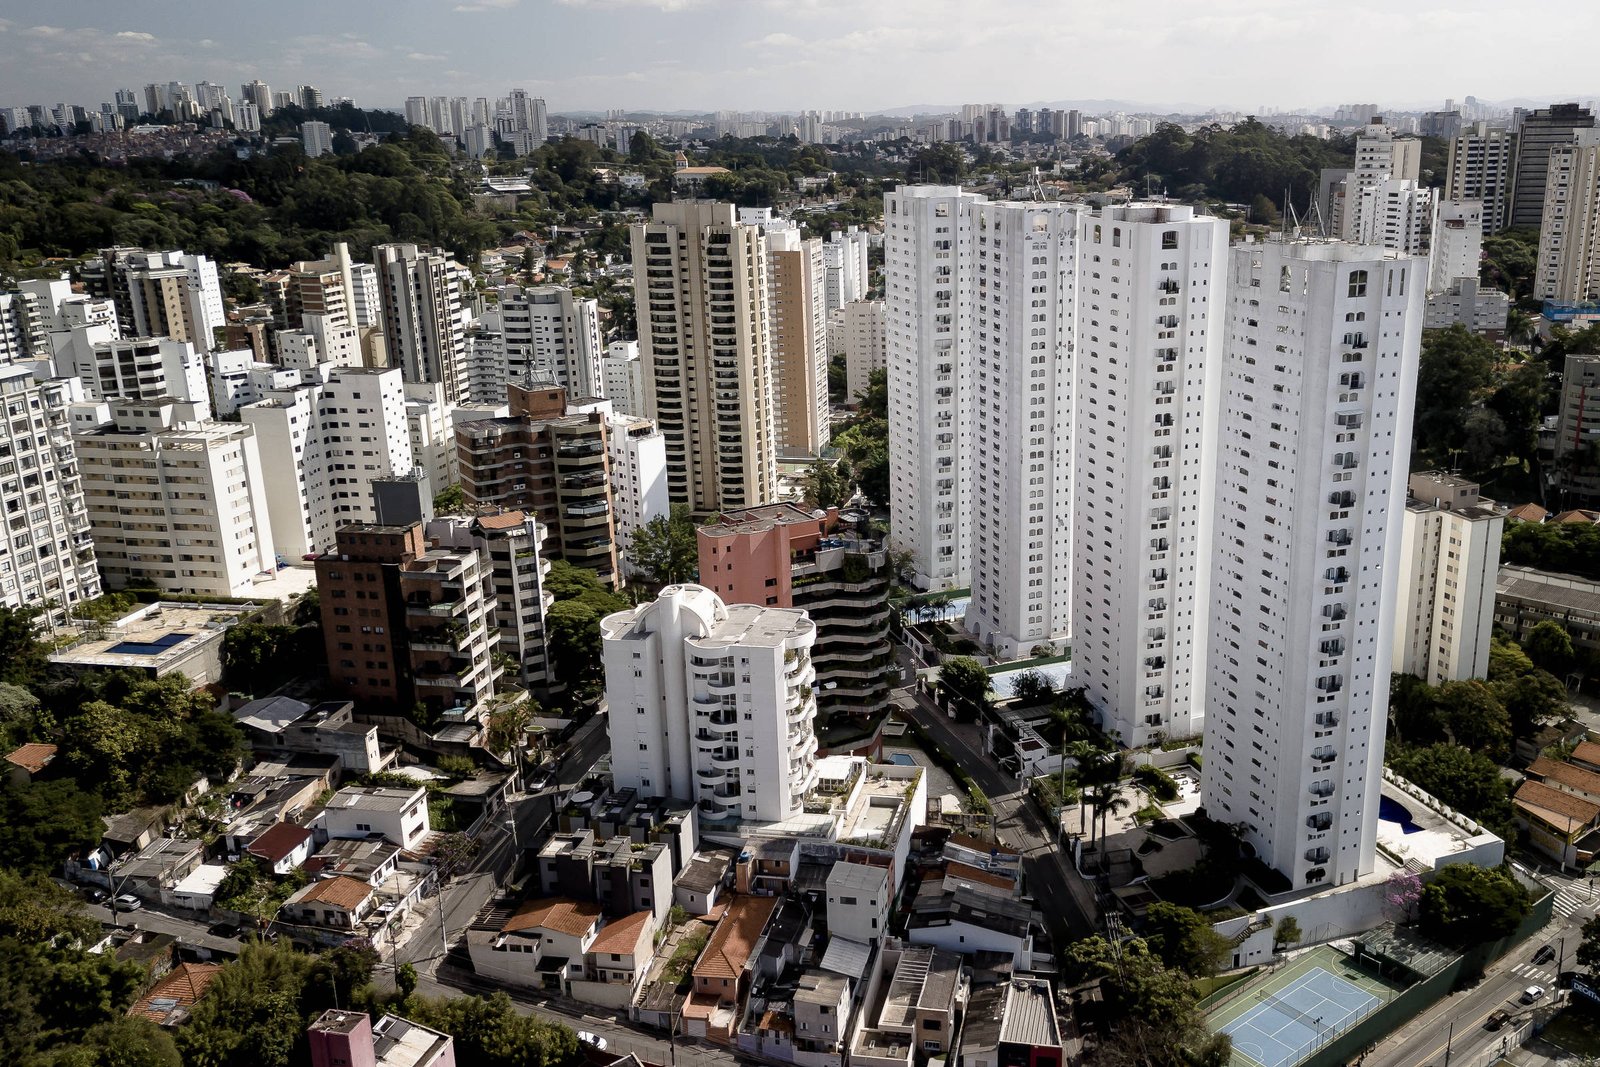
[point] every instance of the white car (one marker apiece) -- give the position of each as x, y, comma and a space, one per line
127, 902
594, 1041
1532, 993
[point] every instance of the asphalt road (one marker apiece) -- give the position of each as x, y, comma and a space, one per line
1457, 1022
1060, 894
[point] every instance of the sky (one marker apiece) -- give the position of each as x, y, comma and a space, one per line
788, 55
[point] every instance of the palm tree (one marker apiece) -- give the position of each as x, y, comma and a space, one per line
1108, 799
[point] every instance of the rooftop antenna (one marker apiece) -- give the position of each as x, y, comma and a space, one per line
1316, 213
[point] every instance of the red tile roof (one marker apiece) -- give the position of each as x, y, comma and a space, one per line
1543, 800
1576, 779
735, 937
32, 757
574, 917
623, 935
1528, 513
340, 891
967, 873
278, 842
507, 520
181, 988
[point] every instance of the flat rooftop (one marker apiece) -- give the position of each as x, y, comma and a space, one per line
757, 624
1030, 1014
1411, 829
152, 637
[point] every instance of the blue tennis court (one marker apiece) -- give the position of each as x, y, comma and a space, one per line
1286, 1025
149, 648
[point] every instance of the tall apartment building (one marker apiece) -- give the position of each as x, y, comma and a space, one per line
798, 323
1568, 268
1482, 162
1319, 380
700, 282
408, 624
1575, 472
160, 294
549, 335
510, 544
433, 437
865, 344
781, 555
638, 477
136, 369
553, 463
316, 138
846, 276
622, 376
47, 559
528, 116
424, 316
24, 335
258, 93
1149, 358
712, 703
1381, 155
1540, 131
1449, 563
1016, 320
929, 266
1394, 213
325, 440
1456, 244
175, 502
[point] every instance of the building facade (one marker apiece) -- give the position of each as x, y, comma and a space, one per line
550, 335
638, 478
1482, 162
1449, 560
865, 345
424, 316
799, 333
713, 703
1149, 357
700, 283
1319, 380
1541, 130
1569, 232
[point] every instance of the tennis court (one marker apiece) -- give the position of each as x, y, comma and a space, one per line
1292, 1013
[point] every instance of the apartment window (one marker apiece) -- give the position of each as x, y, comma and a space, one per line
1169, 239
1358, 282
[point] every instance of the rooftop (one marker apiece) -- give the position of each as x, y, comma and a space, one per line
1563, 591
558, 914
1414, 825
846, 875
1575, 778
375, 798
340, 891
623, 935
400, 1042
816, 988
925, 977
735, 937
168, 1001
32, 757
153, 637
279, 842
1030, 1014
1555, 806
705, 871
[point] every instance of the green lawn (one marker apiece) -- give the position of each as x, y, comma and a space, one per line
1577, 1030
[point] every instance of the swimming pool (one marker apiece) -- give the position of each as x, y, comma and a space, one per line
1391, 810
149, 648
903, 759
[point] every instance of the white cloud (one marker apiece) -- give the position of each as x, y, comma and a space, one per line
46, 31
778, 40
425, 57
487, 5
5, 24
668, 6
137, 36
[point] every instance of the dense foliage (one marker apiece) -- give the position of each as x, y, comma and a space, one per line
1468, 905
1477, 412
1150, 1003
572, 626
1236, 165
665, 550
1568, 547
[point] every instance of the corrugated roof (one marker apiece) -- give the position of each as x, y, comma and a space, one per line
340, 891
623, 935
574, 917
965, 872
735, 937
32, 757
1029, 1017
846, 957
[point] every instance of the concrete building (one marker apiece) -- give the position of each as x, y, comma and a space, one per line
712, 703
1319, 379
622, 378
638, 477
24, 336
1456, 243
1381, 155
1482, 161
799, 331
700, 282
846, 276
408, 624
433, 439
47, 561
174, 502
1149, 384
316, 138
327, 439
1019, 331
1394, 213
865, 344
349, 1039
549, 335
1449, 562
1569, 232
147, 369
425, 315
1575, 472
1480, 310
783, 556
1540, 131
511, 545
929, 265
159, 294
553, 462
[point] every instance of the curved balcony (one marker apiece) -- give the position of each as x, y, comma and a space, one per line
726, 759
711, 777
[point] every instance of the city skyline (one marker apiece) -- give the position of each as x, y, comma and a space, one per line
714, 54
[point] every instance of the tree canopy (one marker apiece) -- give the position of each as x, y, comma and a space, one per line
1468, 905
1233, 164
665, 550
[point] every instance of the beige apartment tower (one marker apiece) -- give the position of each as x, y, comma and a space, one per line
700, 281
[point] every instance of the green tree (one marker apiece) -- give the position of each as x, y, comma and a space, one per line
824, 485
1455, 375
963, 679
1183, 939
1033, 688
452, 499
1414, 714
1468, 781
405, 980
1467, 905
1549, 646
572, 636
125, 1042
489, 1032
665, 550
23, 659
1288, 932
1588, 953
1476, 718
42, 823
1158, 1021
19, 715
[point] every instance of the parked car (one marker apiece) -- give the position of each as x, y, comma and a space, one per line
94, 894
1544, 955
127, 902
1532, 993
594, 1041
1496, 1020
224, 930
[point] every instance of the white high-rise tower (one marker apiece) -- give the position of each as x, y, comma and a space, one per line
1319, 378
1149, 362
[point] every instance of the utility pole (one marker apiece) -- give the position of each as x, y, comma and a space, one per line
1448, 1041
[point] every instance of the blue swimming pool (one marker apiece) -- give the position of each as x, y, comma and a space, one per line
1390, 810
149, 648
903, 759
